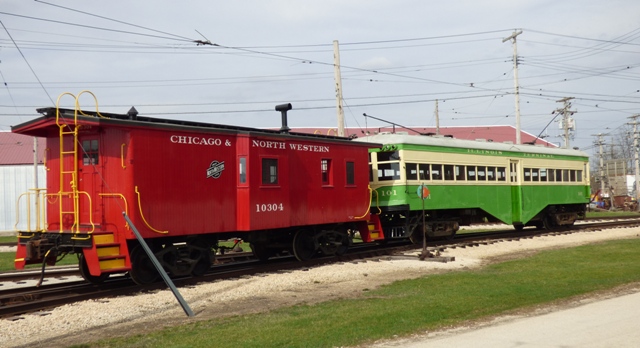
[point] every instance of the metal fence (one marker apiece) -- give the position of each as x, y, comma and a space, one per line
14, 181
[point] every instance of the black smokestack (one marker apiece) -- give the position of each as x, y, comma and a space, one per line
283, 108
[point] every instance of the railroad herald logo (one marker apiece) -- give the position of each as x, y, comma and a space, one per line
215, 169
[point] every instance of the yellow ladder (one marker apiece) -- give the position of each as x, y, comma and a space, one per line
68, 171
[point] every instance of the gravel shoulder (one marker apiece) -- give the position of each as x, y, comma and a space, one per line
92, 320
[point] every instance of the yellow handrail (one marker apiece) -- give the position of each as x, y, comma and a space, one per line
121, 196
371, 191
39, 213
44, 159
93, 227
94, 98
142, 215
122, 156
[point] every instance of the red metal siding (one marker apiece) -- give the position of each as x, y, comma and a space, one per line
186, 181
300, 198
269, 205
244, 189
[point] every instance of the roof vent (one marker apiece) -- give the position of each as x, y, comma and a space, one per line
132, 113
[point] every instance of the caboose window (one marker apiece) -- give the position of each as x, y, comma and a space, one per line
269, 171
243, 170
325, 168
89, 152
351, 178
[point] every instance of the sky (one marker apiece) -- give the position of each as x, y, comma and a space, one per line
231, 62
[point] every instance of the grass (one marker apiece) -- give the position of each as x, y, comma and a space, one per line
8, 239
610, 214
6, 262
412, 306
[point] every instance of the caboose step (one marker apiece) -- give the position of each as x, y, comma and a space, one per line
108, 250
106, 238
113, 263
116, 270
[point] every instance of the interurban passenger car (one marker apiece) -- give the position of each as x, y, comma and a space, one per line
473, 181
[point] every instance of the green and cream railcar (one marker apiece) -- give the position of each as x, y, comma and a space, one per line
473, 181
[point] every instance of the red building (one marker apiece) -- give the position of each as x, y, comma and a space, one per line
498, 134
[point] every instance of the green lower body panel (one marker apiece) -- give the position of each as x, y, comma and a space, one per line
505, 203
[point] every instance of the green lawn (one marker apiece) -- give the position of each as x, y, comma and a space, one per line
413, 306
8, 239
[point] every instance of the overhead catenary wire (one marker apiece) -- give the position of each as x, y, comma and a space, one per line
27, 62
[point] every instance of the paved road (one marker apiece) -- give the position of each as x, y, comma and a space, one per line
608, 323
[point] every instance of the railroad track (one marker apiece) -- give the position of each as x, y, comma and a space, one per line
14, 303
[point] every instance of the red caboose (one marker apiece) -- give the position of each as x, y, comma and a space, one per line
186, 185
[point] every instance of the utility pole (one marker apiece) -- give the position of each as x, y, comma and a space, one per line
437, 119
338, 81
35, 181
600, 144
566, 113
637, 161
515, 81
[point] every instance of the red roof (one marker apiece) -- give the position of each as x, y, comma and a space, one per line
498, 134
18, 148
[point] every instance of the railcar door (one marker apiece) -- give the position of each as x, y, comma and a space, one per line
89, 180
516, 190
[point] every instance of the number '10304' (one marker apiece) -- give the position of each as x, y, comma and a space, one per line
269, 207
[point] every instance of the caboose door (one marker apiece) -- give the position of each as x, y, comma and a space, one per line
89, 181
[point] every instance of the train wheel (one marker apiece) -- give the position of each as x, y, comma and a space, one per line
84, 272
201, 250
548, 222
142, 269
304, 246
260, 251
417, 236
518, 226
345, 242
